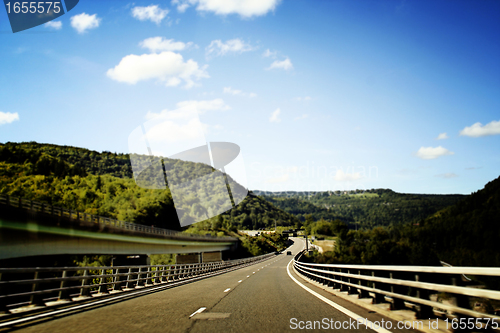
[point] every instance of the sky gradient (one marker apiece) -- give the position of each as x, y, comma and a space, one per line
319, 95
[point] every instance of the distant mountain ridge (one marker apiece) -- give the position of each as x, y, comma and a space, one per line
366, 208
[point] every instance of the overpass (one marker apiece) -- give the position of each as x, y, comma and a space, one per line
31, 228
273, 293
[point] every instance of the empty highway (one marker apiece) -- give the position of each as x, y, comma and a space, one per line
260, 298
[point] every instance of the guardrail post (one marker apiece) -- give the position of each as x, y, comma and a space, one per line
161, 277
128, 285
63, 294
140, 283
85, 289
397, 303
342, 286
423, 311
378, 298
103, 288
117, 285
35, 299
350, 289
149, 280
171, 273
362, 292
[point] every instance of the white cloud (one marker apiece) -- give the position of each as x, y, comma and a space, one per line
430, 153
182, 5
8, 117
229, 90
185, 109
304, 116
275, 116
302, 99
218, 48
244, 8
442, 136
181, 126
152, 13
56, 25
447, 175
477, 130
168, 67
269, 54
155, 44
341, 176
84, 22
285, 64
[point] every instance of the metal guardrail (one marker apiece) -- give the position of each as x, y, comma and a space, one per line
73, 215
24, 288
407, 286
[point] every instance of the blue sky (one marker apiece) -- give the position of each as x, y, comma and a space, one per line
319, 95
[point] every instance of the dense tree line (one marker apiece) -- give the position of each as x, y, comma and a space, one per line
367, 209
465, 234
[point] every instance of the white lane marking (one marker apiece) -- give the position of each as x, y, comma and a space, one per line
200, 310
248, 275
82, 306
227, 290
335, 305
240, 281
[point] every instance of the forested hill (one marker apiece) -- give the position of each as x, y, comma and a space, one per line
101, 183
467, 234
370, 208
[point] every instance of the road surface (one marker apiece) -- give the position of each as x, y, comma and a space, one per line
258, 298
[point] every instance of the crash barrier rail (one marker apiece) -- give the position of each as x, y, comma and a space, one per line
416, 287
73, 215
32, 287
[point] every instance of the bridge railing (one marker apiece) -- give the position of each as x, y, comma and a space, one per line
24, 288
419, 288
73, 215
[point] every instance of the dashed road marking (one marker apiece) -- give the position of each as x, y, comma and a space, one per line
200, 310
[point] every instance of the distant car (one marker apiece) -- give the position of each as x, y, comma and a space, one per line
288, 253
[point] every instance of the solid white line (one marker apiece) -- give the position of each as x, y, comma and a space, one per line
200, 310
351, 314
227, 290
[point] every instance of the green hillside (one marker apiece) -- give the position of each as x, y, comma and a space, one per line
367, 209
465, 234
101, 183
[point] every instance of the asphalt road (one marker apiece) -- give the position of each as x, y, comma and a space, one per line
258, 298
